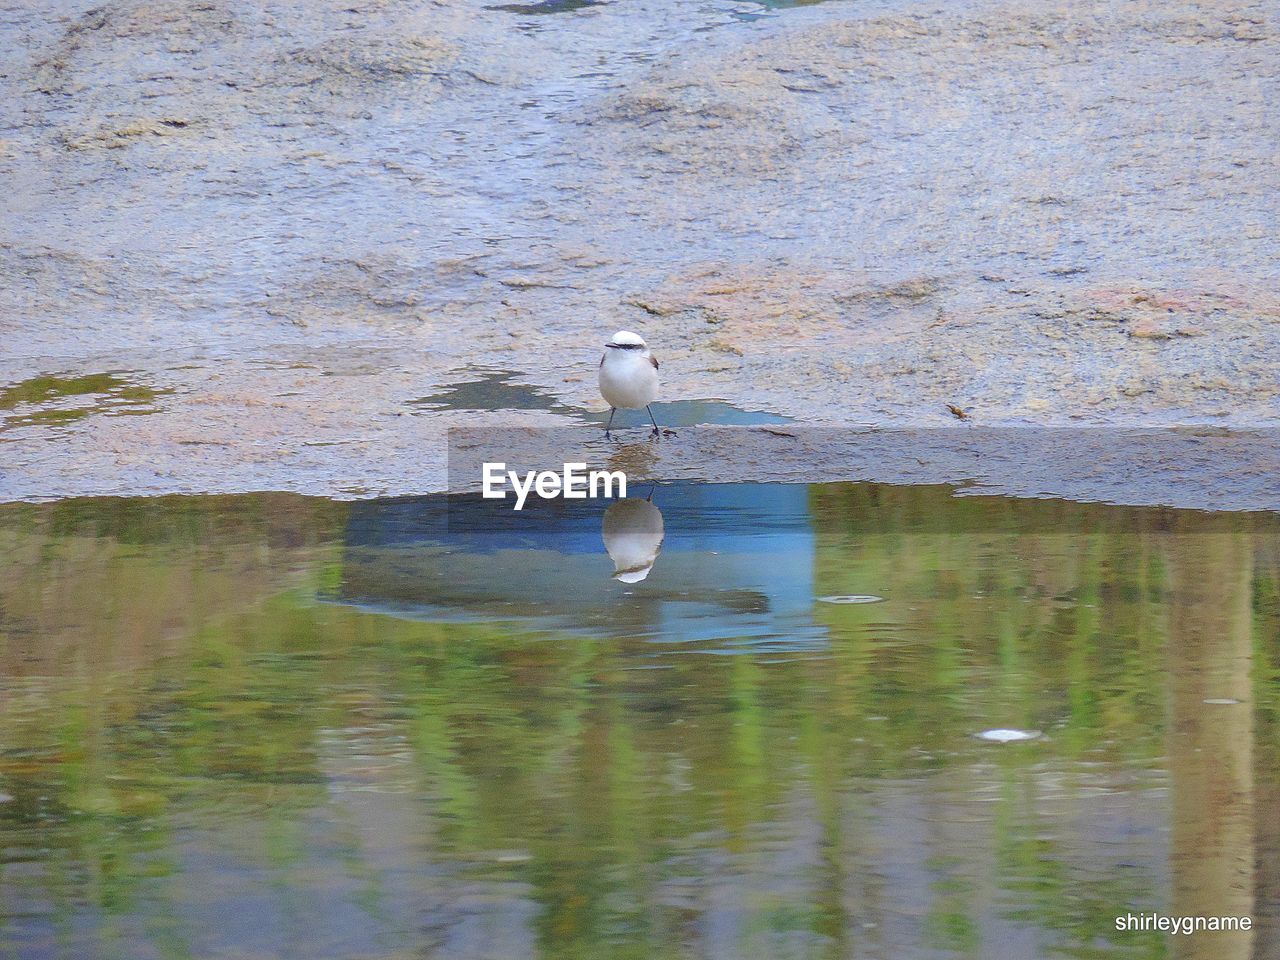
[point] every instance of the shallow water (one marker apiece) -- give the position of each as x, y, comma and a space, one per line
53, 399
276, 726
546, 6
501, 390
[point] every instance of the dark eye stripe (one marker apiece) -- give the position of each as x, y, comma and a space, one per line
625, 346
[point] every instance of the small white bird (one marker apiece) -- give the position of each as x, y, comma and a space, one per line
628, 376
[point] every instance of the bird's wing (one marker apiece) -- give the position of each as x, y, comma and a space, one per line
654, 361
605, 354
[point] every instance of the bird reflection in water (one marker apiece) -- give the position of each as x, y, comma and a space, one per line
632, 533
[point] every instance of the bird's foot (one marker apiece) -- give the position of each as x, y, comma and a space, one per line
653, 435
608, 435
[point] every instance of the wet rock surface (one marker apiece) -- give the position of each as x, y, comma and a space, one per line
289, 222
1190, 468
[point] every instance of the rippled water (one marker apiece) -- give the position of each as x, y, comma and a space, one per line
272, 726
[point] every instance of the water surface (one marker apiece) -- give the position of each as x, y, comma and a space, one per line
276, 726
494, 390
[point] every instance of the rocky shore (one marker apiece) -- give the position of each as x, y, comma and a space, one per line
277, 228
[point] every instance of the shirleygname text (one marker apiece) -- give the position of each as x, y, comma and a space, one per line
1179, 925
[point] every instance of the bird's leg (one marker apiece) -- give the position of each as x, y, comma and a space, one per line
612, 411
654, 422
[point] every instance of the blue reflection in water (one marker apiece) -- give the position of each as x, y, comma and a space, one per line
735, 563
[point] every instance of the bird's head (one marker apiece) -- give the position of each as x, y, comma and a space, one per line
626, 340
